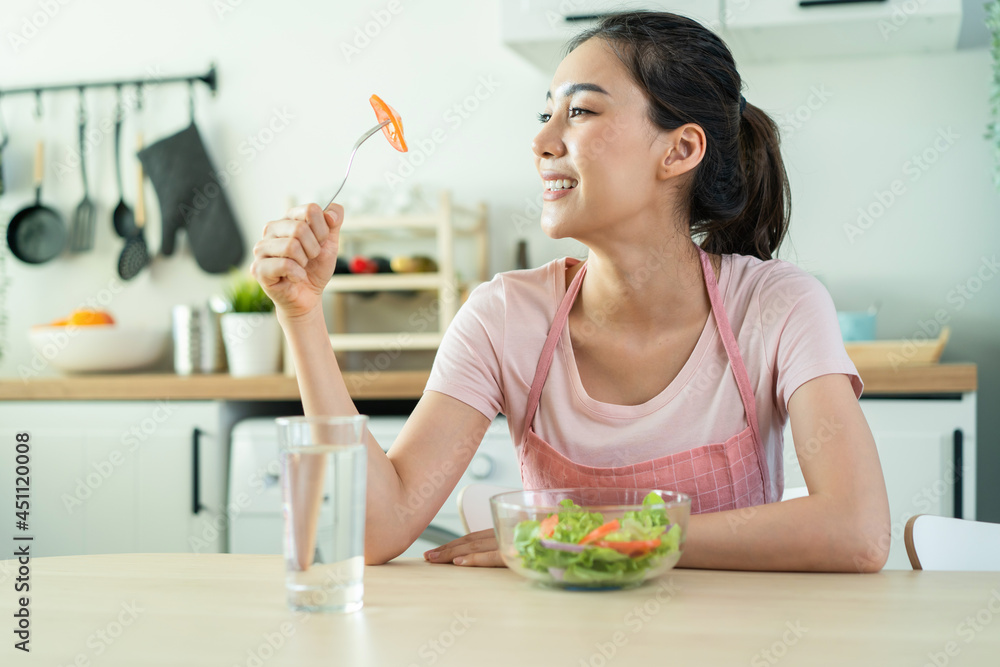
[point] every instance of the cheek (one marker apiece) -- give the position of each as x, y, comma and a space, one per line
608, 159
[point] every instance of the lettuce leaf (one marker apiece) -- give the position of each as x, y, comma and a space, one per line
598, 566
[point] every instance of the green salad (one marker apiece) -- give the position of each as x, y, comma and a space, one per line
580, 548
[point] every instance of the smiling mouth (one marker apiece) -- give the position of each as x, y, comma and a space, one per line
562, 184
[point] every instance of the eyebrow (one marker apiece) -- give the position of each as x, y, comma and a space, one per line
572, 88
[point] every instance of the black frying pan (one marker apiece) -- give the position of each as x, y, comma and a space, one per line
37, 233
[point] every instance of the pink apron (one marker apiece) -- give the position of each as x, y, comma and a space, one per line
723, 476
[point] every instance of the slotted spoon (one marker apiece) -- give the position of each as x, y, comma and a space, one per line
82, 236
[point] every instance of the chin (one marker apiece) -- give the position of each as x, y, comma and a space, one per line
555, 229
564, 225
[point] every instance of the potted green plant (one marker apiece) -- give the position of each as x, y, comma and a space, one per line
250, 329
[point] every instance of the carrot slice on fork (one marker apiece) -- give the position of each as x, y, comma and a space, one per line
394, 130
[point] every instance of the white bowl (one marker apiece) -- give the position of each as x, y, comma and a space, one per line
98, 348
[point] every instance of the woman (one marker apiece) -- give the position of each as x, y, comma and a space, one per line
655, 362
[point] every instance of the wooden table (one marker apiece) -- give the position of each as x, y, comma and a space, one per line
222, 610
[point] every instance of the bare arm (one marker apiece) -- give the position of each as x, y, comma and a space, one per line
841, 526
293, 262
407, 487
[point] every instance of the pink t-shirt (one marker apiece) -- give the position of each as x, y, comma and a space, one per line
782, 317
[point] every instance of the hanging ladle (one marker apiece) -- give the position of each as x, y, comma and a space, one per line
122, 218
135, 254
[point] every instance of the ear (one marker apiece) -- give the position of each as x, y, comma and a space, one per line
685, 150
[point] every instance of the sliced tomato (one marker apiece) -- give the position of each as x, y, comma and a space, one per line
633, 548
601, 531
548, 525
394, 130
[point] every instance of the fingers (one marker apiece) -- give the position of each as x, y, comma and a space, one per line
481, 559
282, 246
320, 222
473, 543
270, 270
335, 215
300, 230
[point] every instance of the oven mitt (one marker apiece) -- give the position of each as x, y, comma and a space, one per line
190, 197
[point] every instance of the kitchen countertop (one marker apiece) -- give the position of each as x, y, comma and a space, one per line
224, 609
931, 379
220, 386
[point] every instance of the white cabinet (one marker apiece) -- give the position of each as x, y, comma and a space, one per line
787, 29
538, 29
119, 476
768, 30
927, 448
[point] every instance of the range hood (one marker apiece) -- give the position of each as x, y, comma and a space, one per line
776, 30
538, 29
756, 30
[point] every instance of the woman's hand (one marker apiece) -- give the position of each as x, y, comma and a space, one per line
478, 549
296, 256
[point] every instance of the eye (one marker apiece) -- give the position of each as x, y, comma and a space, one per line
543, 117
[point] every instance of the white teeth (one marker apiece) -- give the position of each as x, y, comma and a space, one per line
562, 184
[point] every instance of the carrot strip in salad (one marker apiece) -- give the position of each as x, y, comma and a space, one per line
548, 525
601, 531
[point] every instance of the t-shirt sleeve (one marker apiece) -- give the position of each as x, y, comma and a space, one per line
468, 361
800, 319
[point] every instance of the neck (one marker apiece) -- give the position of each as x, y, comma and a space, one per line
644, 290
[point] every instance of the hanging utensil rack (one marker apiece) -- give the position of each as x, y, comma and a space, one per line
208, 78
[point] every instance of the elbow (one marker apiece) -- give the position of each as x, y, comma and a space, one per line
380, 554
376, 559
870, 536
868, 559
379, 550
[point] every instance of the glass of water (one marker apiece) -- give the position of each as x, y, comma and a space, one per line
323, 467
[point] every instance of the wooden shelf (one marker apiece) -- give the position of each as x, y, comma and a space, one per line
386, 341
441, 224
364, 223
343, 282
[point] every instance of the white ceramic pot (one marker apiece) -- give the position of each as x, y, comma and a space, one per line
253, 343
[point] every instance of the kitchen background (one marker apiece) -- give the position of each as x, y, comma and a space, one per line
292, 99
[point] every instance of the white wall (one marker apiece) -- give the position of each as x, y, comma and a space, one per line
431, 56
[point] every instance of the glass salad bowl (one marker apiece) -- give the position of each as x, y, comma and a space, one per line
591, 538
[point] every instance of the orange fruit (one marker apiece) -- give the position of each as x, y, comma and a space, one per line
84, 317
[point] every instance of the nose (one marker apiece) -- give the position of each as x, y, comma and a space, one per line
548, 142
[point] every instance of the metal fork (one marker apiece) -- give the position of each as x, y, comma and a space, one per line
357, 144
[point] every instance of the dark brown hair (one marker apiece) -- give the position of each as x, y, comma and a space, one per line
739, 199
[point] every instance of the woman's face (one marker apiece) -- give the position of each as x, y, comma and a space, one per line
596, 134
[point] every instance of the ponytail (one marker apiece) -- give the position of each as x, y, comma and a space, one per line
740, 200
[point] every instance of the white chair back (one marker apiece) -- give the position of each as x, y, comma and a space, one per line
944, 543
794, 492
474, 505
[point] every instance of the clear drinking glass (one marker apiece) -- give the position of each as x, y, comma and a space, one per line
323, 467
